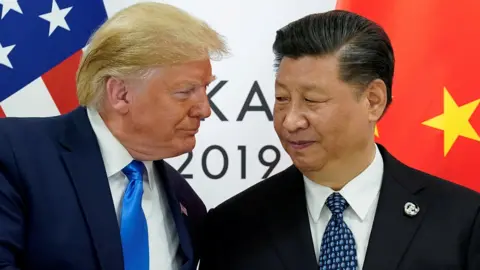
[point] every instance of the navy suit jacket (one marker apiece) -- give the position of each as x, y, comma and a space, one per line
56, 209
271, 229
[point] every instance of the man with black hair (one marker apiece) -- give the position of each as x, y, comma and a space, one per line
346, 202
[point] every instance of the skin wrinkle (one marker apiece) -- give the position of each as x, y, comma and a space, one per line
158, 118
314, 105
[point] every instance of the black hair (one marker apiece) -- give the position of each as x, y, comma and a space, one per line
363, 48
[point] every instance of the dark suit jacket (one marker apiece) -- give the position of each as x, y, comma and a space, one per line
267, 227
56, 209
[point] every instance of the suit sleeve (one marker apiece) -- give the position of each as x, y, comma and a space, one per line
11, 211
474, 248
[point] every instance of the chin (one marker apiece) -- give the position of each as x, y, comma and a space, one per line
175, 148
186, 146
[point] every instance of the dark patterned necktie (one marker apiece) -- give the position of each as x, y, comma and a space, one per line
338, 250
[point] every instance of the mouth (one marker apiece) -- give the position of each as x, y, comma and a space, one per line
297, 145
191, 131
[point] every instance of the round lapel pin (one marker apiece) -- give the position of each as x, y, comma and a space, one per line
411, 209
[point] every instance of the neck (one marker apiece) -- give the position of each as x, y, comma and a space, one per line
336, 174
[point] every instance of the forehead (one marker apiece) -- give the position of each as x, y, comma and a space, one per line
308, 71
198, 72
194, 68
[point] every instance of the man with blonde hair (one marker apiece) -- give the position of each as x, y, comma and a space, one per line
89, 189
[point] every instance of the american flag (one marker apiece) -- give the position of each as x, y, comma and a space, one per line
41, 43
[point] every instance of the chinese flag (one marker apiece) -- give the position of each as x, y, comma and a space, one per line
433, 123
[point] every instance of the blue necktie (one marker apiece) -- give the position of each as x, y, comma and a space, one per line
133, 225
338, 249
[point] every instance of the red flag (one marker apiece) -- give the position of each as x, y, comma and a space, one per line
434, 121
60, 82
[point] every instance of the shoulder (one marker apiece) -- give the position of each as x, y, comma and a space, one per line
450, 207
19, 135
265, 192
438, 191
30, 129
27, 142
19, 139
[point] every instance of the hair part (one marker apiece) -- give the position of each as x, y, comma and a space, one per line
138, 39
362, 47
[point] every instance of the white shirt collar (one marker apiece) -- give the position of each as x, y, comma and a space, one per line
360, 192
115, 156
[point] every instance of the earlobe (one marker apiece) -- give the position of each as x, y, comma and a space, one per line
117, 97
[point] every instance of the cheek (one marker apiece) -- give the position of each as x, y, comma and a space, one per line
277, 123
170, 122
322, 120
330, 123
140, 114
146, 103
278, 118
345, 128
158, 115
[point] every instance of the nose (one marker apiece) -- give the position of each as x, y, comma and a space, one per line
202, 107
294, 120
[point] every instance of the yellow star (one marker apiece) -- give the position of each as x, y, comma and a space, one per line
454, 121
376, 131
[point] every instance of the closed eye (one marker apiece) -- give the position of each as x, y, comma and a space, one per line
187, 90
316, 101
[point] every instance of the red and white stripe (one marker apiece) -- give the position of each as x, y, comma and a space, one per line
52, 94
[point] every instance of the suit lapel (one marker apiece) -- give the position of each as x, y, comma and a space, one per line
84, 163
179, 213
288, 223
392, 229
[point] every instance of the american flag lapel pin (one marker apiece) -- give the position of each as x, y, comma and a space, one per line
183, 209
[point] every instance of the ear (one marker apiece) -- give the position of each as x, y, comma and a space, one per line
376, 94
117, 95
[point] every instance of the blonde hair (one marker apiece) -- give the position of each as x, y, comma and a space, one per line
139, 37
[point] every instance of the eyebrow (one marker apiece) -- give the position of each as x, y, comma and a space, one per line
305, 87
189, 83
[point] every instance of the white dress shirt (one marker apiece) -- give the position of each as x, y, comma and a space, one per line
162, 236
361, 194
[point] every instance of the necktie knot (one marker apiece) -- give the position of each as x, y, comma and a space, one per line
134, 170
336, 203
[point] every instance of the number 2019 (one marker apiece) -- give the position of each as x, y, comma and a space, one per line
243, 161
